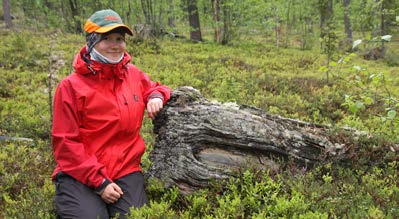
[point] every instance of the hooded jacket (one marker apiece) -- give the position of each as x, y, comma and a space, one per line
98, 112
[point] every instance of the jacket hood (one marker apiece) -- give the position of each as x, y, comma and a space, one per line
82, 67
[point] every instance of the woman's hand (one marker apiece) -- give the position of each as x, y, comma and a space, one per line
111, 193
154, 106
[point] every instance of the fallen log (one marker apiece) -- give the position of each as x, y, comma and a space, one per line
200, 140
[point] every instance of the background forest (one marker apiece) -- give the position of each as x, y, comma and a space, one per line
322, 61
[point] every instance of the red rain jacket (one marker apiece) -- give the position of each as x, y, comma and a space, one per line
98, 112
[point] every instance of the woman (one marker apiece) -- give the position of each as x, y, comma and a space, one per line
98, 113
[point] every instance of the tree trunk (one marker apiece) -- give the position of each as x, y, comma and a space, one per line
75, 15
363, 28
7, 14
199, 141
129, 12
347, 21
216, 20
146, 11
330, 9
193, 17
326, 12
277, 27
376, 15
153, 21
171, 20
159, 25
65, 14
383, 24
226, 32
49, 5
288, 23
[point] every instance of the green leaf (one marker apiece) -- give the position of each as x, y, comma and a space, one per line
359, 105
375, 39
356, 43
368, 100
347, 97
323, 69
386, 38
357, 68
354, 108
391, 114
347, 59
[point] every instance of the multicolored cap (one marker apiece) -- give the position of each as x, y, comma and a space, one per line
104, 21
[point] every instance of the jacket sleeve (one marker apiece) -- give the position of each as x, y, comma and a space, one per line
154, 89
69, 151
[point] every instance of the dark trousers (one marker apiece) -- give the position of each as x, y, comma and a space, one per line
76, 200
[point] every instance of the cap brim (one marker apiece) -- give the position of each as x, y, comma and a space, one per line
109, 28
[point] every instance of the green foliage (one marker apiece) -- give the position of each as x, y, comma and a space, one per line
26, 189
24, 107
325, 192
351, 193
21, 51
369, 95
157, 210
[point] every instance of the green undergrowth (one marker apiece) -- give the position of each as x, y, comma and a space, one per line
359, 94
26, 190
324, 192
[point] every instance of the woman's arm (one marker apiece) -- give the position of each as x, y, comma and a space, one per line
155, 95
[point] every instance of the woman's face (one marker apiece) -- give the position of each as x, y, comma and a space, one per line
112, 46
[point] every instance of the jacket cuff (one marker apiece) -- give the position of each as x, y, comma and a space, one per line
155, 95
99, 190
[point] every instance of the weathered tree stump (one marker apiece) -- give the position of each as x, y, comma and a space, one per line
200, 140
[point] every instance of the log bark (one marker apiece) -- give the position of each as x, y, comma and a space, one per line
199, 141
